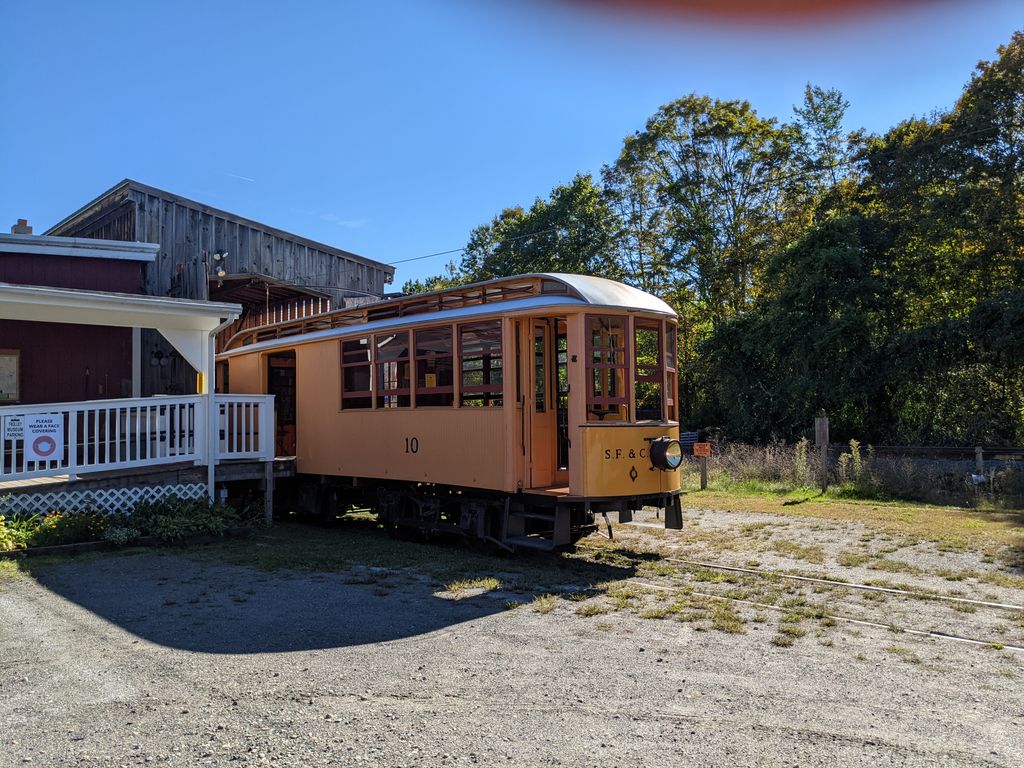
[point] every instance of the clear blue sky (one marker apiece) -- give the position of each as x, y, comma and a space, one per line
392, 128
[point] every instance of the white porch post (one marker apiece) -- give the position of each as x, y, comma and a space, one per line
213, 426
136, 362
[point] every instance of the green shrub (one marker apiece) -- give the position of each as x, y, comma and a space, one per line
58, 527
13, 535
172, 519
801, 470
121, 534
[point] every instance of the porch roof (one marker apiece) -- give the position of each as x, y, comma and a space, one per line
185, 323
67, 305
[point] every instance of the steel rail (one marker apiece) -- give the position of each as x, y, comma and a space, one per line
849, 585
836, 617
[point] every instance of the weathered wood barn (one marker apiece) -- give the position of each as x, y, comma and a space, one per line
207, 253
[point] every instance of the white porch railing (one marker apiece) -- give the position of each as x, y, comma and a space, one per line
245, 426
108, 435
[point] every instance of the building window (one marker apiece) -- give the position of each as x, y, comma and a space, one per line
480, 360
435, 370
355, 374
392, 369
10, 375
606, 368
649, 372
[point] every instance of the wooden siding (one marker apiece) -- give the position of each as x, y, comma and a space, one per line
61, 362
86, 274
189, 233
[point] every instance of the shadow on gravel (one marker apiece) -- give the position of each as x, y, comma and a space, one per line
299, 588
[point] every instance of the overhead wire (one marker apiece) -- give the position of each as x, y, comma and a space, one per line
802, 172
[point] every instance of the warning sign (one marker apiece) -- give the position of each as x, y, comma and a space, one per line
702, 449
44, 437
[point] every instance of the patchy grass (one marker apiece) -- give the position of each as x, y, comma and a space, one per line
623, 595
592, 609
792, 630
783, 641
544, 603
905, 654
461, 587
662, 611
9, 570
951, 527
893, 566
812, 554
852, 559
725, 618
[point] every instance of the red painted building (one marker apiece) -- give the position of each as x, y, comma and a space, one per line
55, 362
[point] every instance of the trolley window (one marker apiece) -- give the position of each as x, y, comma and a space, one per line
392, 351
650, 370
355, 373
671, 385
606, 368
435, 371
480, 363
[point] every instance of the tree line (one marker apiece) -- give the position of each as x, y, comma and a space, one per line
877, 277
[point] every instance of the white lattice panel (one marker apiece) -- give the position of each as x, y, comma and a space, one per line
107, 500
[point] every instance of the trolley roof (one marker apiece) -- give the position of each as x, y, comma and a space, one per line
509, 294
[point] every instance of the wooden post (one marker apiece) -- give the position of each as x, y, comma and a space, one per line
268, 492
703, 461
821, 440
979, 460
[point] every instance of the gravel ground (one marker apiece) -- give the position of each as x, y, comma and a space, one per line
847, 549
177, 658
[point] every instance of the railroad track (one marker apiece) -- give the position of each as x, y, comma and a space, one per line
938, 635
772, 575
848, 585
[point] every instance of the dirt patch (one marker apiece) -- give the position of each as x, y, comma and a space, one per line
404, 657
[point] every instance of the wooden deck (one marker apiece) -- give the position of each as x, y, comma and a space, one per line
226, 471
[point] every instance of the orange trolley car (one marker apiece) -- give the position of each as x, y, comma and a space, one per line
511, 411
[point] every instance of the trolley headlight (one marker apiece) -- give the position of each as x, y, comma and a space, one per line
666, 453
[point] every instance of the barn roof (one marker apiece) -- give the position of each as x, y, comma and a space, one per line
116, 194
85, 247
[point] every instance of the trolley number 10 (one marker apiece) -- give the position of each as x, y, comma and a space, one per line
412, 445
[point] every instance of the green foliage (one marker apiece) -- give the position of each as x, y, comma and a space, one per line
121, 535
13, 534
722, 176
875, 277
172, 519
778, 469
450, 279
57, 527
801, 470
570, 231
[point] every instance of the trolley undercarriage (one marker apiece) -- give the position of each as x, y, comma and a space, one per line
507, 521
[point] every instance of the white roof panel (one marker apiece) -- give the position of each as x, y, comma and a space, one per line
610, 293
